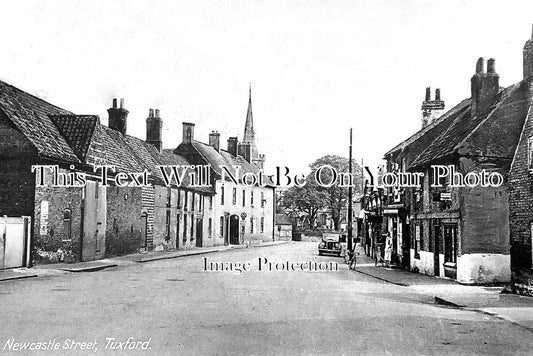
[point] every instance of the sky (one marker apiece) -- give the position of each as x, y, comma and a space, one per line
317, 68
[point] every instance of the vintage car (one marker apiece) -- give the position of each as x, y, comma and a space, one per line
332, 243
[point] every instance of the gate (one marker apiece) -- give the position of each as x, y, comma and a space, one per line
14, 242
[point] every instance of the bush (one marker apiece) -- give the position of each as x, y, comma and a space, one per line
296, 236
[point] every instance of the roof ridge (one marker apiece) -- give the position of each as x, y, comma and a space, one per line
34, 96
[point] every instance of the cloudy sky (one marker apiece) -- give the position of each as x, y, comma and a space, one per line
317, 68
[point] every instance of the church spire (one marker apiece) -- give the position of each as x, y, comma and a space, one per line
249, 133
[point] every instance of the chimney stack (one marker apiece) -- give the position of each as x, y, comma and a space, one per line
484, 86
118, 117
245, 150
188, 132
154, 129
528, 58
214, 140
232, 145
431, 109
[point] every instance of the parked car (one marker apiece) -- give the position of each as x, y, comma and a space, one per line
332, 243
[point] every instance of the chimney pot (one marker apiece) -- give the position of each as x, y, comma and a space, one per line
121, 103
437, 94
151, 113
157, 113
491, 66
479, 65
114, 103
428, 94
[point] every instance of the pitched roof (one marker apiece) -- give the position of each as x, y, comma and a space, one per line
494, 132
77, 130
434, 128
30, 115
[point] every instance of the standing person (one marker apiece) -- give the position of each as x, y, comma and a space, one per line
388, 249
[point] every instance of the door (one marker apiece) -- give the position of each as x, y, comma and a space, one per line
436, 255
14, 242
234, 229
144, 230
94, 221
199, 232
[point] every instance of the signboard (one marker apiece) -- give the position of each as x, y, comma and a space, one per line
445, 196
43, 230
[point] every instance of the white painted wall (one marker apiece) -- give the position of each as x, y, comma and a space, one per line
483, 268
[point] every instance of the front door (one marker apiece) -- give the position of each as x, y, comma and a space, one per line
199, 232
14, 242
234, 229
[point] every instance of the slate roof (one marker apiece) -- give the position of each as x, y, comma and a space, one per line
493, 133
30, 115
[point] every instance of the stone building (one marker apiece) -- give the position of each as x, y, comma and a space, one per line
452, 227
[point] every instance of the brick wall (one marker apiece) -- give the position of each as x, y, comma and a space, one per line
521, 212
123, 228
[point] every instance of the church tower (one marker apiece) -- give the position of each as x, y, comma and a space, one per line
249, 134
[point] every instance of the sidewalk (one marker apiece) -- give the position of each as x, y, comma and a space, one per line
513, 308
98, 265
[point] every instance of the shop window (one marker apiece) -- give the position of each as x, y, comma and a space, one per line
67, 225
450, 243
186, 201
178, 228
210, 202
234, 200
251, 225
185, 227
167, 225
221, 226
210, 228
192, 229
243, 197
221, 195
193, 201
169, 197
179, 199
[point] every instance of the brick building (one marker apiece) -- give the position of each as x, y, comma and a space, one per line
521, 194
447, 230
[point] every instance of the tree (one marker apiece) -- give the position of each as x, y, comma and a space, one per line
336, 196
307, 199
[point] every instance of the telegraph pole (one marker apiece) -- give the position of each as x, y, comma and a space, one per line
350, 212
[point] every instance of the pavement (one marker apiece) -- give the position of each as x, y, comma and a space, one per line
98, 265
491, 300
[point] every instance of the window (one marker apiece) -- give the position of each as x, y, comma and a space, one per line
243, 197
234, 200
186, 202
221, 226
262, 228
96, 190
193, 201
177, 228
251, 225
192, 229
222, 195
210, 228
252, 198
169, 196
167, 225
185, 227
450, 243
200, 202
67, 224
262, 200
210, 202
179, 199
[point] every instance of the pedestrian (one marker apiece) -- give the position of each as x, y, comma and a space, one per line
388, 249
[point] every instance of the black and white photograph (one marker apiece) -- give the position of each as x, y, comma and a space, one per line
307, 177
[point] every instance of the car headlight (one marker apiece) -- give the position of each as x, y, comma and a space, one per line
337, 245
322, 244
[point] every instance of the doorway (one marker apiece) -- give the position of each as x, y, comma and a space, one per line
199, 232
234, 229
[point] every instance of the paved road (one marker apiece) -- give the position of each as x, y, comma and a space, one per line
176, 308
